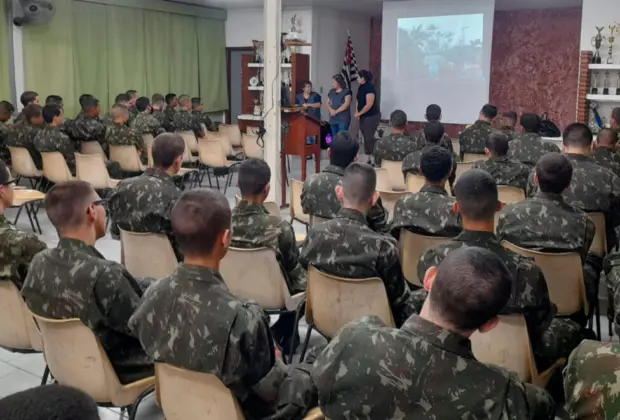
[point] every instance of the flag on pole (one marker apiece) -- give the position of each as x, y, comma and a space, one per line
349, 66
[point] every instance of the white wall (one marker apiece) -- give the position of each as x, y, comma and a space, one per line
599, 13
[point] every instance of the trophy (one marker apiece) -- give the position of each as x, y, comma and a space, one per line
611, 39
597, 41
258, 51
606, 84
594, 87
294, 24
257, 110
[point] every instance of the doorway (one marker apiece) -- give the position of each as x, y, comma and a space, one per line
235, 90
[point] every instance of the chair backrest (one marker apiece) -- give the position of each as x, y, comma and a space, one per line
127, 157
22, 162
251, 149
412, 246
92, 169
92, 148
456, 146
190, 140
17, 329
599, 244
383, 180
472, 157
148, 139
461, 168
564, 275
149, 154
263, 284
509, 195
395, 171
234, 134
415, 183
297, 211
211, 153
187, 395
334, 301
55, 167
389, 199
508, 346
224, 138
148, 254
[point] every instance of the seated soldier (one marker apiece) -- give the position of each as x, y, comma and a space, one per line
6, 112
473, 138
318, 197
476, 196
430, 211
171, 108
347, 247
191, 320
75, 281
605, 153
504, 170
157, 104
51, 139
145, 122
122, 99
87, 126
426, 369
202, 116
529, 147
24, 133
119, 134
143, 203
17, 248
433, 113
397, 145
27, 98
184, 120
507, 124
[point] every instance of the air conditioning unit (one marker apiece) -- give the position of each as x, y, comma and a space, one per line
32, 12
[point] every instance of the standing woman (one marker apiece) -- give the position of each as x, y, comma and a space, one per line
367, 111
338, 104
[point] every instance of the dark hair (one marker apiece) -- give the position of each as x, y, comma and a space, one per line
398, 119
306, 83
196, 101
344, 148
32, 111
476, 194
531, 122
554, 172
433, 112
498, 144
157, 98
131, 93
6, 106
167, 147
489, 111
471, 287
607, 136
254, 175
170, 97
66, 203
366, 75
53, 100
143, 103
338, 78
27, 97
615, 114
50, 112
84, 98
436, 163
89, 103
50, 402
5, 174
121, 97
577, 135
198, 218
359, 183
512, 116
433, 132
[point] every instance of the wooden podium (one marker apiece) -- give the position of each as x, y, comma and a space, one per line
301, 126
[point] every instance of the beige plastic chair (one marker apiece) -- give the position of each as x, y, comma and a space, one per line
212, 156
472, 157
92, 169
456, 146
508, 346
148, 254
224, 138
55, 167
18, 332
128, 157
411, 247
509, 195
599, 244
461, 168
23, 165
395, 171
234, 135
251, 149
190, 140
271, 206
564, 275
148, 139
383, 180
297, 211
92, 148
415, 183
389, 199
75, 358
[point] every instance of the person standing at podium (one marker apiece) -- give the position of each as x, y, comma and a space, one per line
338, 105
310, 100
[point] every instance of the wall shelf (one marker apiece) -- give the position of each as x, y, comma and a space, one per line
604, 67
261, 65
603, 98
256, 87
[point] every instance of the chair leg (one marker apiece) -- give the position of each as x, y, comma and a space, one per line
306, 342
597, 311
46, 375
217, 181
300, 310
228, 181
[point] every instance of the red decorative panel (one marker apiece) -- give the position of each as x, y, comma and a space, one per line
583, 111
376, 27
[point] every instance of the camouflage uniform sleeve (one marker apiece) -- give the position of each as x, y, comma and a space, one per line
137, 139
588, 238
378, 218
408, 164
542, 315
398, 293
67, 148
29, 246
531, 188
288, 247
196, 127
528, 398
306, 202
430, 258
551, 147
615, 201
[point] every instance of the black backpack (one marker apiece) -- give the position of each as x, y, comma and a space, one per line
548, 127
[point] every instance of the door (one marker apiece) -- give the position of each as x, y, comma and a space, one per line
236, 83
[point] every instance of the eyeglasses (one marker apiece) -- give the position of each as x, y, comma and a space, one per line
101, 202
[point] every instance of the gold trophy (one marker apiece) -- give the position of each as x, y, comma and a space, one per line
597, 41
612, 28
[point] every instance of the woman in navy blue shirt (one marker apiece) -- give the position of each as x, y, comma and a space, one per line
310, 100
367, 111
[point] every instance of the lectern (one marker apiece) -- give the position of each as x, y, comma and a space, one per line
301, 126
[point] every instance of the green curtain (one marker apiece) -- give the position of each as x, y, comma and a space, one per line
5, 63
184, 61
90, 54
212, 64
157, 43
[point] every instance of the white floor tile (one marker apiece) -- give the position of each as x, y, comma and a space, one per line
17, 381
6, 369
32, 363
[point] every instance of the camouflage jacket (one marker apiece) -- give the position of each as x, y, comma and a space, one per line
5, 131
420, 140
394, 147
411, 164
428, 212
144, 203
474, 138
505, 171
347, 247
75, 281
133, 113
420, 371
529, 147
204, 118
318, 198
192, 321
51, 139
607, 158
510, 132
147, 124
23, 135
121, 135
160, 117
168, 118
19, 118
591, 381
86, 128
17, 249
530, 295
254, 227
184, 120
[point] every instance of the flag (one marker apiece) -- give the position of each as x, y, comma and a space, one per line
349, 66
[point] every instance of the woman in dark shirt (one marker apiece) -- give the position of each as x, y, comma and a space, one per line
367, 111
310, 100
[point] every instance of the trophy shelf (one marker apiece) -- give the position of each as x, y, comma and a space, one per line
603, 98
256, 87
262, 65
604, 67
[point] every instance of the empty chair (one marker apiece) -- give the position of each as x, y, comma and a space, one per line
251, 147
415, 183
92, 169
411, 247
128, 157
190, 140
148, 254
509, 195
92, 148
234, 135
383, 180
212, 156
395, 171
55, 167
23, 165
297, 211
148, 139
472, 157
389, 199
456, 146
599, 244
224, 138
461, 168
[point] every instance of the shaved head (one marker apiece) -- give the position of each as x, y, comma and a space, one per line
359, 183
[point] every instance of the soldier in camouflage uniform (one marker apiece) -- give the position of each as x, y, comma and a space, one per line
591, 381
145, 122
397, 145
75, 281
197, 109
605, 153
143, 203
504, 170
184, 120
87, 126
26, 98
119, 134
318, 197
157, 103
191, 320
474, 138
51, 139
17, 248
347, 247
477, 201
6, 112
122, 99
171, 108
426, 370
507, 124
430, 211
433, 113
131, 104
529, 147
23, 133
